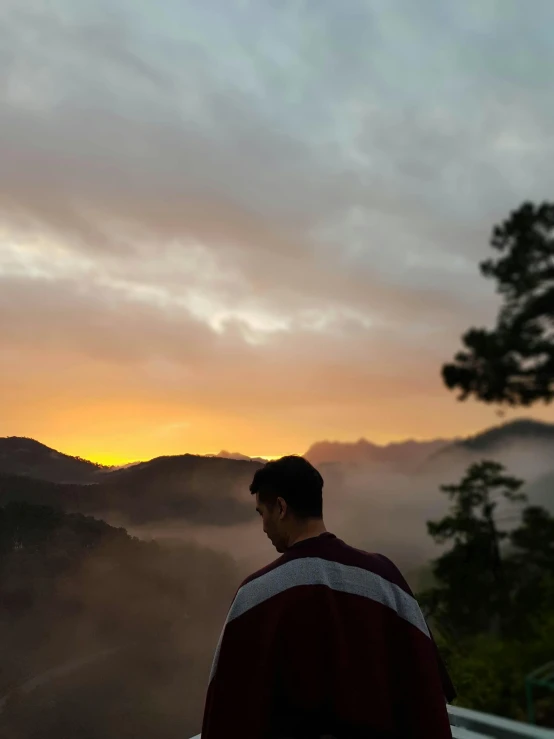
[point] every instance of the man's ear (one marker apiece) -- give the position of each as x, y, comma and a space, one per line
282, 503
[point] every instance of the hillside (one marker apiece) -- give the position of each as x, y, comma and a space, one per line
18, 488
73, 586
203, 490
200, 490
22, 456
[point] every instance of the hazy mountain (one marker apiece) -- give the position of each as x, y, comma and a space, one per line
242, 457
524, 446
197, 489
404, 453
523, 437
200, 489
522, 429
22, 456
380, 496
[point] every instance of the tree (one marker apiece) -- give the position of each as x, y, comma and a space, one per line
473, 583
533, 566
535, 538
492, 608
514, 363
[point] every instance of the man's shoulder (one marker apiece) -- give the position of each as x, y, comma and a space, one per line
333, 551
374, 562
302, 575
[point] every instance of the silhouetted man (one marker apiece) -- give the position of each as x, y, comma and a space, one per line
325, 641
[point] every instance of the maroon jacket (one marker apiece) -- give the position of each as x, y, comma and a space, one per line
327, 640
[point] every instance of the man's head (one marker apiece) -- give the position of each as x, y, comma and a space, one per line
289, 498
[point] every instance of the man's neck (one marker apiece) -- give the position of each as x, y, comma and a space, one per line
309, 531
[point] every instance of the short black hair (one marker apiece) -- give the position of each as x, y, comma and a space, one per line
295, 480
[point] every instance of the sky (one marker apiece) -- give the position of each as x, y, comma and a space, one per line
254, 224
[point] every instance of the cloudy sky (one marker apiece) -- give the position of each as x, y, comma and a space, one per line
251, 224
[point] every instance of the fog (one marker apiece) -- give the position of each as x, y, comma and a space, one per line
374, 507
159, 607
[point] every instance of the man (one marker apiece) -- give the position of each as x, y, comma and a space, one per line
327, 640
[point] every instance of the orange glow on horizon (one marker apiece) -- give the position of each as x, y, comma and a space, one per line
103, 414
119, 460
115, 460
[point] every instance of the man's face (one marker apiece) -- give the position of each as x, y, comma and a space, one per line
273, 522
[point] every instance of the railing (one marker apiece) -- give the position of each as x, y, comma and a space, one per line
542, 677
467, 724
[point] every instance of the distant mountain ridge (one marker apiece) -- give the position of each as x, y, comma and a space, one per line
511, 443
24, 456
213, 490
363, 452
518, 430
415, 453
242, 457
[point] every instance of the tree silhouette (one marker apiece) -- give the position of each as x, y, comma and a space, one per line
513, 364
533, 559
472, 594
535, 538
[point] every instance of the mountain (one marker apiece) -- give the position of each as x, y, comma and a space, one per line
403, 454
22, 456
242, 457
200, 490
520, 430
527, 439
213, 491
208, 490
524, 446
